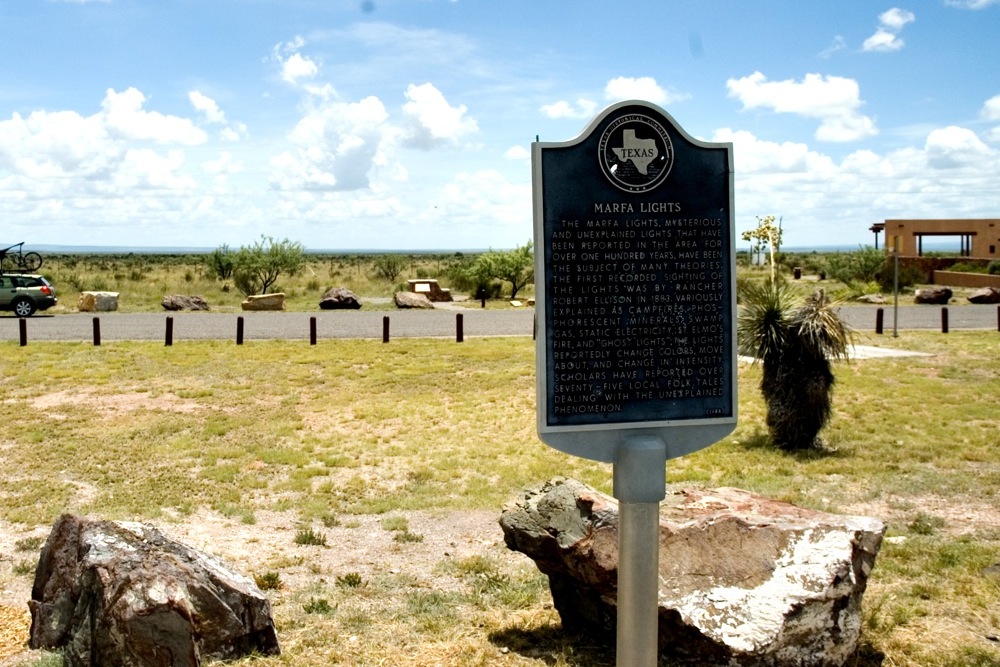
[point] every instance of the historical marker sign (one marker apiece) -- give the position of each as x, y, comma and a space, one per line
635, 285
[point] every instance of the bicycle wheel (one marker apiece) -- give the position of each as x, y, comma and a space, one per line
31, 261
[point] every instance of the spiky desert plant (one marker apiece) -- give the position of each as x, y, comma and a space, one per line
795, 346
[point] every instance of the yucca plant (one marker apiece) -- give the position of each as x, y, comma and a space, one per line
794, 343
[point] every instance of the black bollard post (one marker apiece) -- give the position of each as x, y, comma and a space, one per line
998, 318
944, 320
170, 332
385, 329
312, 330
459, 328
97, 332
23, 329
239, 330
879, 320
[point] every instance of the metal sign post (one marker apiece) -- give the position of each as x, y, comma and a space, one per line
636, 351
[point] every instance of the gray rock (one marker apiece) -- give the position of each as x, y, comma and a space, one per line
339, 298
984, 295
871, 298
933, 295
412, 300
744, 580
120, 594
184, 302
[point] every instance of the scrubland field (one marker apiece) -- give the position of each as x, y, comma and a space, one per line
360, 483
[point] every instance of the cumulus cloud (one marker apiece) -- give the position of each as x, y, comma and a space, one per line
337, 147
886, 37
431, 121
583, 108
641, 88
616, 90
950, 175
208, 106
295, 68
834, 101
991, 109
125, 116
517, 152
215, 116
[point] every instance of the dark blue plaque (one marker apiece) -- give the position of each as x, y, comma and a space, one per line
635, 279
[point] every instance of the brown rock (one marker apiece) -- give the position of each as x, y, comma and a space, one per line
412, 300
933, 295
120, 594
744, 580
275, 301
183, 302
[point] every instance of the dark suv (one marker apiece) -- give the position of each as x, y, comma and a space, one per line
24, 293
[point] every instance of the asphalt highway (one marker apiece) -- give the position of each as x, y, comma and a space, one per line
402, 324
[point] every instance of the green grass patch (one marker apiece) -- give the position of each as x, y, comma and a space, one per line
346, 428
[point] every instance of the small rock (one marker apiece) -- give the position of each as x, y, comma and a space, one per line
933, 295
412, 300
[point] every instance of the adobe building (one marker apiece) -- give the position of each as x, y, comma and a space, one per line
980, 238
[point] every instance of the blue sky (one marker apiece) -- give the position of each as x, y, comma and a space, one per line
407, 124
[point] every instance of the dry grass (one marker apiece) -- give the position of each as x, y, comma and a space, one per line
238, 448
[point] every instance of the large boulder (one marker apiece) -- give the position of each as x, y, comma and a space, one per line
339, 298
984, 295
744, 580
412, 300
935, 295
97, 302
184, 302
120, 594
275, 301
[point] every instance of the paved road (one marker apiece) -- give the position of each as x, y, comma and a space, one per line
402, 324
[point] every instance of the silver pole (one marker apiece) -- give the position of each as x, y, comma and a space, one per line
639, 485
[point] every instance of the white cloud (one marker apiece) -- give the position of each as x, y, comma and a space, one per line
823, 201
833, 100
991, 108
125, 117
954, 147
338, 146
883, 40
295, 67
517, 152
208, 106
431, 121
896, 18
886, 37
641, 88
584, 108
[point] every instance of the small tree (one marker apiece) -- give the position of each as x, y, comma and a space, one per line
389, 267
766, 235
256, 268
220, 262
514, 266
